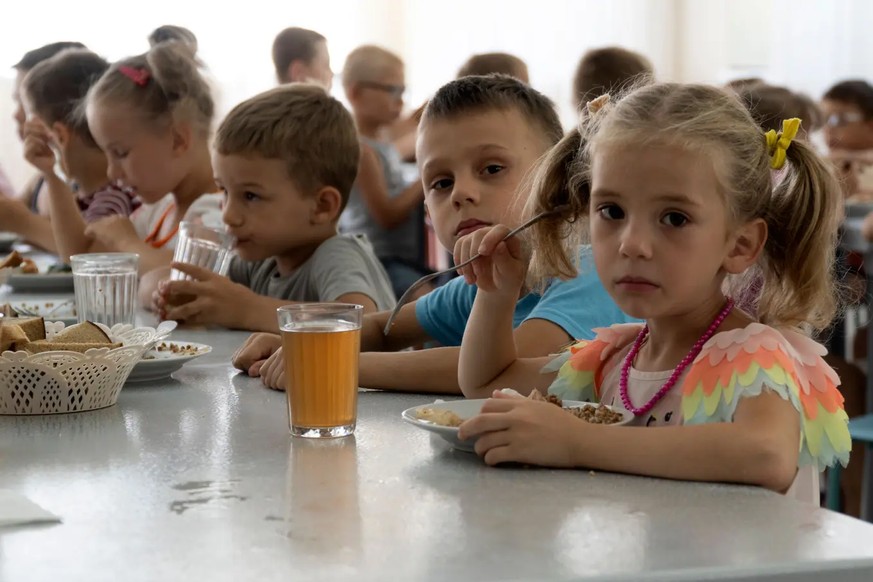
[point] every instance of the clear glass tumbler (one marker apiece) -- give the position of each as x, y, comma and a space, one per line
106, 287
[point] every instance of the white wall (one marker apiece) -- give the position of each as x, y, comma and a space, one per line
806, 44
10, 148
721, 40
550, 35
821, 42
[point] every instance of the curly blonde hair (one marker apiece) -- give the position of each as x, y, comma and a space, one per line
801, 210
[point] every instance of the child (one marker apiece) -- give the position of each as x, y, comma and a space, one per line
847, 108
675, 182
24, 66
382, 205
480, 137
286, 159
151, 115
31, 194
53, 92
607, 69
848, 113
491, 63
301, 56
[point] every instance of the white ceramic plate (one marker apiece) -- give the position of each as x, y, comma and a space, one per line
469, 408
51, 310
41, 282
158, 364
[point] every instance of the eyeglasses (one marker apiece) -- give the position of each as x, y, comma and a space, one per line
395, 91
841, 119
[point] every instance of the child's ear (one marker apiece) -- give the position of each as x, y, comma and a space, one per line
297, 71
61, 133
745, 246
183, 135
327, 206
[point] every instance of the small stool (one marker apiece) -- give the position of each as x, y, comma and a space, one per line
861, 429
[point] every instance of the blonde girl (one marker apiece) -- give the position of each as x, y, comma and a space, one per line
151, 114
674, 184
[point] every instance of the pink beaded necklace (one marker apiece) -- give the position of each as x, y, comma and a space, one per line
677, 372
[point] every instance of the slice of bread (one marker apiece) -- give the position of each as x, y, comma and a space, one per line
12, 338
33, 327
11, 261
28, 267
41, 346
82, 333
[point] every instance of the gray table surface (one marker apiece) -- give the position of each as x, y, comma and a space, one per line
197, 478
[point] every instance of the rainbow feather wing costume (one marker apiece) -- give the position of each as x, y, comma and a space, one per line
743, 362
734, 364
582, 367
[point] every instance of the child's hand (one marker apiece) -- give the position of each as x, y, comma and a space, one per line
114, 232
273, 371
512, 429
217, 299
502, 266
158, 302
37, 147
253, 354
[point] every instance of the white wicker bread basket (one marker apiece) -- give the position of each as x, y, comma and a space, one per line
61, 382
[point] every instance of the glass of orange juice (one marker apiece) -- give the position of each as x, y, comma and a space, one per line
321, 342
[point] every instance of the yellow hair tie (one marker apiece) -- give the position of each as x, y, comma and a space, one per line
777, 143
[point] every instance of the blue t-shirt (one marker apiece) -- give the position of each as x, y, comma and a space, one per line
576, 306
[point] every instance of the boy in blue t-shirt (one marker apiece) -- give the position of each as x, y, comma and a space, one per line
478, 140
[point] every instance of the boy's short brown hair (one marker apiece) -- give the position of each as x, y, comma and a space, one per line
367, 63
605, 70
854, 92
489, 63
301, 125
57, 87
482, 94
770, 105
38, 55
294, 44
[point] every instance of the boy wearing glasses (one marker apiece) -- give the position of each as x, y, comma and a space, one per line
847, 108
383, 205
848, 115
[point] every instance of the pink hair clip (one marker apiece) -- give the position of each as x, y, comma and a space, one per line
139, 76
